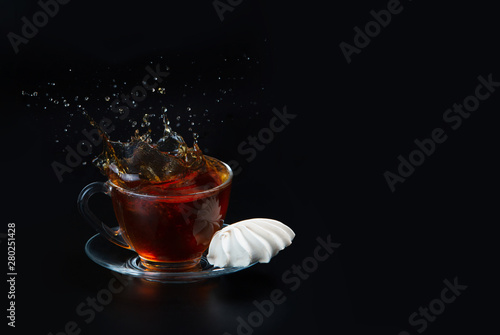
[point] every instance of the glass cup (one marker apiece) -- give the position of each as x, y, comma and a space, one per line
168, 232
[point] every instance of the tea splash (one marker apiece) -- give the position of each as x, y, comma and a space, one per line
165, 167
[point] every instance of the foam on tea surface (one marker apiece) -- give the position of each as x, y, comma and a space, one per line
165, 167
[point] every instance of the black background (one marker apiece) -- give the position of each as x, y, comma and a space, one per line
322, 175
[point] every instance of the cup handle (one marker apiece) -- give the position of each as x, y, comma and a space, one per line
113, 235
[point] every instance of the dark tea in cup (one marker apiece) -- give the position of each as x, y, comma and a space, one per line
169, 199
169, 223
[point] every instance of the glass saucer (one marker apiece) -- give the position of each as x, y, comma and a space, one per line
127, 262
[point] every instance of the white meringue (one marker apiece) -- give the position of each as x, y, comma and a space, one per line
248, 241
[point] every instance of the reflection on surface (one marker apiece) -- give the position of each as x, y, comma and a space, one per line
146, 307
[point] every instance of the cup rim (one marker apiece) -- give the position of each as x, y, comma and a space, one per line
210, 190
